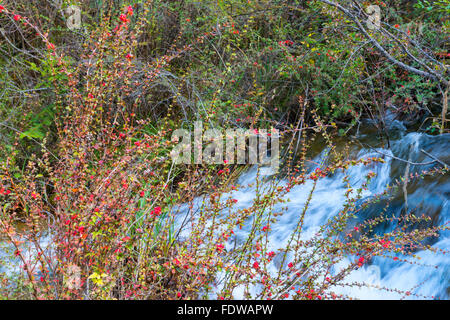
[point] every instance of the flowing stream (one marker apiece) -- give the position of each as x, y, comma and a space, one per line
429, 196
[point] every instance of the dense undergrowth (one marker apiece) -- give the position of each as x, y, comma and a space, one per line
86, 127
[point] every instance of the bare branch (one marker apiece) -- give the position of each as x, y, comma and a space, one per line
427, 74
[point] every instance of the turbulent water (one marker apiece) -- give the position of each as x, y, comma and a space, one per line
428, 196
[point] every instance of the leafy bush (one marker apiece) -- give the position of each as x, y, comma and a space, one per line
99, 184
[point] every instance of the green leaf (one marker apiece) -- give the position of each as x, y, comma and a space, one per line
33, 133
